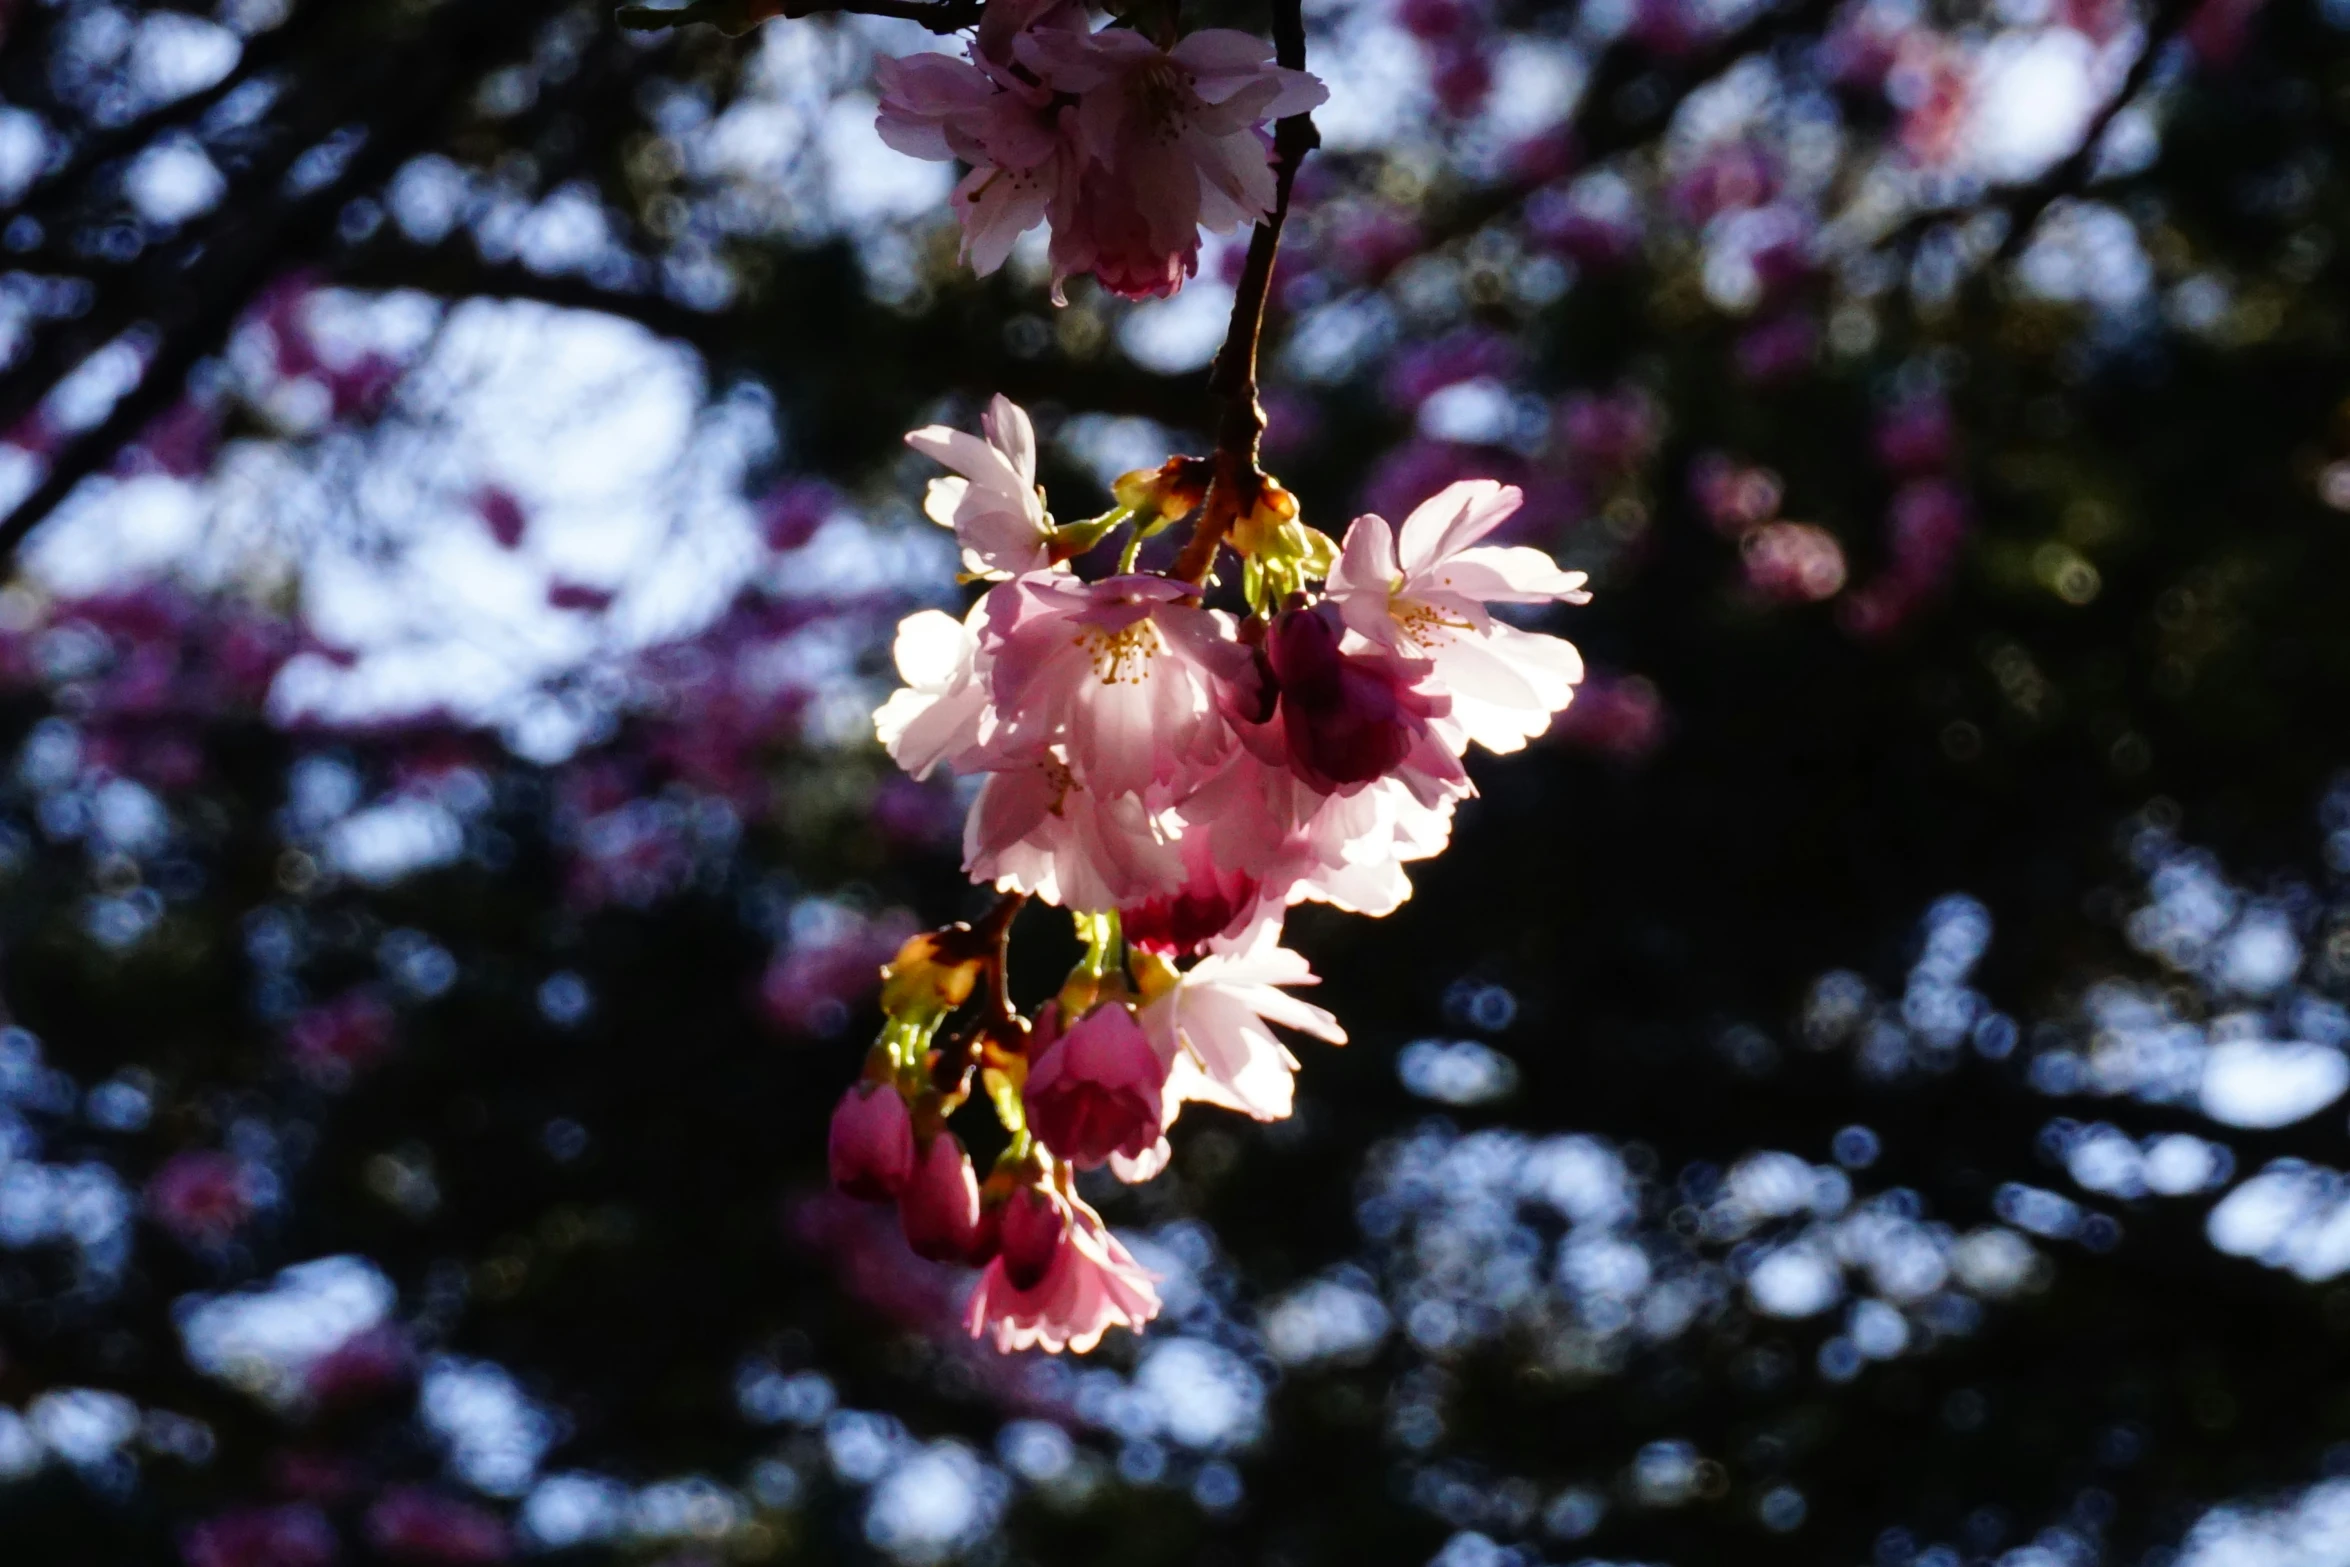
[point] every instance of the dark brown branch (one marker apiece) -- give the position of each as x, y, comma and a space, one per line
997, 927
1233, 380
733, 17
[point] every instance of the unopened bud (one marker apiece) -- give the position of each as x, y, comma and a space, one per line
871, 1144
1029, 1234
1259, 530
1153, 974
928, 977
1173, 489
938, 1207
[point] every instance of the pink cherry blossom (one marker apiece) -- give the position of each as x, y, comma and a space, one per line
991, 501
1213, 1029
1127, 675
1172, 141
1035, 828
1423, 593
939, 1205
1096, 1090
1116, 230
1261, 821
1020, 144
941, 714
1350, 718
1003, 21
1212, 901
871, 1144
1089, 1283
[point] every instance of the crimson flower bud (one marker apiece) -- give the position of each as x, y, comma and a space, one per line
1034, 1225
939, 1206
1349, 719
1098, 1089
872, 1142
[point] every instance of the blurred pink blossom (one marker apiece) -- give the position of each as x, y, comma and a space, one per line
413, 1524
296, 1536
202, 1195
1616, 714
1793, 562
1777, 349
341, 1036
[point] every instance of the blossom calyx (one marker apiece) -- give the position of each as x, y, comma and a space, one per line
930, 976
1173, 489
1279, 553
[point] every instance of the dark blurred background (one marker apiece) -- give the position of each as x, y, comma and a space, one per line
1868, 1089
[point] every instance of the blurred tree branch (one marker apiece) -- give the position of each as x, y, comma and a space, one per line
262, 225
1620, 68
2025, 204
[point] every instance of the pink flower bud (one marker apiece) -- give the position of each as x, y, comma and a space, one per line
939, 1208
1033, 1226
1097, 1090
872, 1142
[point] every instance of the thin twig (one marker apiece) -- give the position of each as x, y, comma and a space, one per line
1234, 378
996, 932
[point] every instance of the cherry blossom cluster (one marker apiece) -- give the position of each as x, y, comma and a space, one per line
1124, 147
1176, 776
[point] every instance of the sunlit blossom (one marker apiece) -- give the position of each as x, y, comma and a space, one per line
1424, 592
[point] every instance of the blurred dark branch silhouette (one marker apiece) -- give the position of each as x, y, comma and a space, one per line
1630, 96
2021, 206
392, 96
734, 17
2026, 205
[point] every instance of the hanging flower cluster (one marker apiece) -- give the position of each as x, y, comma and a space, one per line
1125, 148
1175, 776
